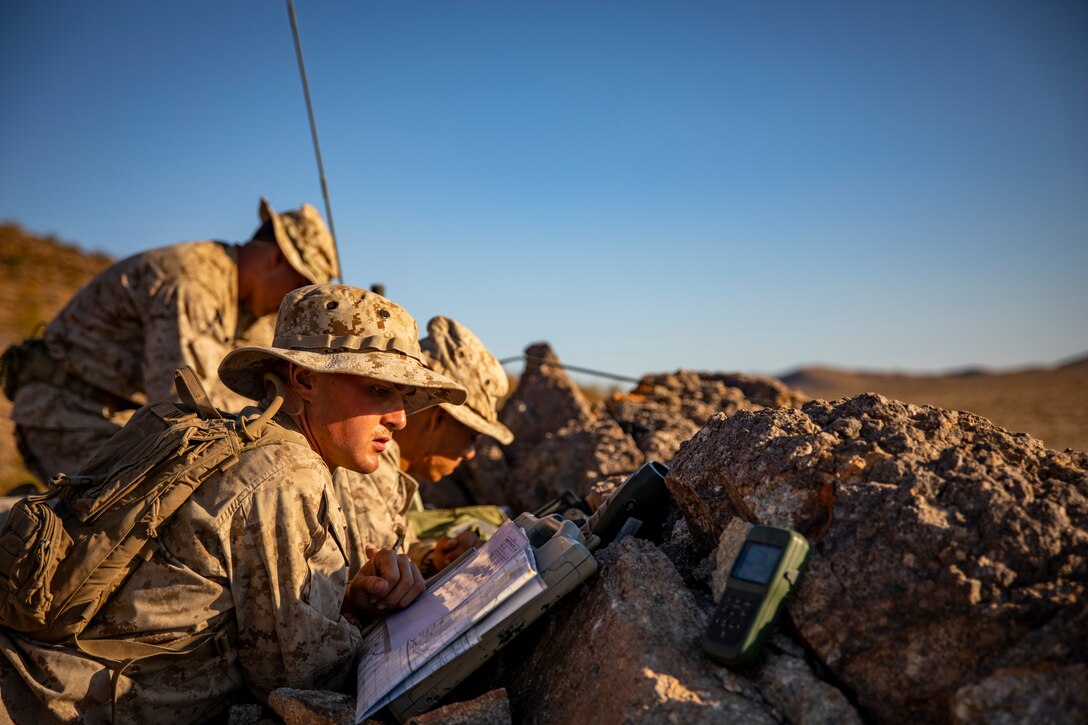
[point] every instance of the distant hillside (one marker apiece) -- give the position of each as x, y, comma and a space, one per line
38, 275
1049, 403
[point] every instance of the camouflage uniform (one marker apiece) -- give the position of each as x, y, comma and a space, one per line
139, 320
256, 554
376, 505
258, 550
127, 331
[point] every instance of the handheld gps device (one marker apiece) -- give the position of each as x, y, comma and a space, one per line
765, 571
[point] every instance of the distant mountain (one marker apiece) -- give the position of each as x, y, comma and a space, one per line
1049, 403
38, 275
1077, 362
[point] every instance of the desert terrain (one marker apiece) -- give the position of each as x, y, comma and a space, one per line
38, 274
1050, 404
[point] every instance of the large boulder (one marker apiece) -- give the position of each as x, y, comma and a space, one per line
944, 546
545, 400
624, 648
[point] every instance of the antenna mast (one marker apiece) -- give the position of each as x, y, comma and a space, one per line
313, 132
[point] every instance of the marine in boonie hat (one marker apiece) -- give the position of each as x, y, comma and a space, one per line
337, 328
452, 350
304, 240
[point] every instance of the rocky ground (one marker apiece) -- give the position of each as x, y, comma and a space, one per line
946, 582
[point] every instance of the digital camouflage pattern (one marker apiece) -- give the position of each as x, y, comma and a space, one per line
343, 329
375, 505
452, 349
305, 241
259, 552
127, 331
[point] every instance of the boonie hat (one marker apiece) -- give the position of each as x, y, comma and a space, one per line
304, 240
336, 328
453, 350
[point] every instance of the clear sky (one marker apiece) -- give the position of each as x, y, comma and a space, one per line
646, 185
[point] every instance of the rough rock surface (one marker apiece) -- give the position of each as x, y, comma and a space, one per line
546, 399
945, 546
575, 458
562, 443
1043, 678
947, 580
312, 707
248, 714
788, 683
624, 648
491, 708
665, 410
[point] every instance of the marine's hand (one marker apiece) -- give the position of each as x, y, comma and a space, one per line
388, 581
449, 548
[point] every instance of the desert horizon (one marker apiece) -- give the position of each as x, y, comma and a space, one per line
39, 273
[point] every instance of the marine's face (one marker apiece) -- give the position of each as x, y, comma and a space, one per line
350, 418
449, 443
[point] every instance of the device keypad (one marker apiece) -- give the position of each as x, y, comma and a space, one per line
733, 615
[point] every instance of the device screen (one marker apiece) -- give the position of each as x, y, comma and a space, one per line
756, 562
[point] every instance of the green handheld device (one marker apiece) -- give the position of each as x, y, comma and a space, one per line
765, 571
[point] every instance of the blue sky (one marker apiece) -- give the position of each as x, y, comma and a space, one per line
647, 186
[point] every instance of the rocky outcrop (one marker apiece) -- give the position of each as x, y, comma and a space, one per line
546, 399
562, 443
946, 582
944, 547
665, 410
624, 649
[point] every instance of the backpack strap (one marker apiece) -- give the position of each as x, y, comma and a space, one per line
192, 393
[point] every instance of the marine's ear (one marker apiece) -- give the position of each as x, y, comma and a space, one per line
302, 381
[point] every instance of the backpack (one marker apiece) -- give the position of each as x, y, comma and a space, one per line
62, 554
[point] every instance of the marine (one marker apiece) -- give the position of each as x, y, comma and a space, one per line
117, 342
384, 507
256, 554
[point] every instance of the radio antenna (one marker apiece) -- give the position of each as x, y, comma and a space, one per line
313, 133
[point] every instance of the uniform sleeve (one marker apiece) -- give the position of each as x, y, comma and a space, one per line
288, 578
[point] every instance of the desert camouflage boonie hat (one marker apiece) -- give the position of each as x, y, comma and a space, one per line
453, 350
340, 329
304, 240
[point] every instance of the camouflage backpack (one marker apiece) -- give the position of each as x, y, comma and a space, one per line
62, 554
